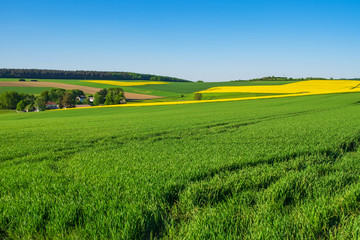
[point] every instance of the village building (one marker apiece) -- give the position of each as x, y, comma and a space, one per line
81, 98
51, 105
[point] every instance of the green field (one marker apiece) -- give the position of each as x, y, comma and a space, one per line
205, 96
30, 90
3, 111
184, 88
286, 168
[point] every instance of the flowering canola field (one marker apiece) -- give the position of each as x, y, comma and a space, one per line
125, 84
310, 87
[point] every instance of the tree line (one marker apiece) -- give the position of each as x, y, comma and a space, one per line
61, 97
273, 78
89, 75
28, 102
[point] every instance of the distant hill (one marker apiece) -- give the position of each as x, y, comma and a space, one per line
93, 75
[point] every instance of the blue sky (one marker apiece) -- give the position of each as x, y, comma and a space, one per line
195, 40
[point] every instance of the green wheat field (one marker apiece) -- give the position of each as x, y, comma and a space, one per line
286, 168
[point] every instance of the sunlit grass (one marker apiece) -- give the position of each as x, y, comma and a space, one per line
284, 168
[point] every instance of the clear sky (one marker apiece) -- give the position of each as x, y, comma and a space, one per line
206, 40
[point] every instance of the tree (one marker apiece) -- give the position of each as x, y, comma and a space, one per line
77, 92
45, 95
87, 101
115, 96
103, 92
9, 100
60, 74
55, 94
109, 98
198, 96
39, 104
29, 107
60, 105
68, 100
155, 78
120, 98
20, 106
27, 98
98, 99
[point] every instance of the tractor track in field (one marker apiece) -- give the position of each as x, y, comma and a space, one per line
85, 89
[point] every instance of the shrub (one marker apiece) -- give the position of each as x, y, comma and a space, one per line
198, 96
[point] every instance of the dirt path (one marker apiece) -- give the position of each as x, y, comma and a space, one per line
91, 90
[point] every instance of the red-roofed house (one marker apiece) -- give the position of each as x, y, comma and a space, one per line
51, 105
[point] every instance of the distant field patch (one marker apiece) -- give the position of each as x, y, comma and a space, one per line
126, 84
29, 90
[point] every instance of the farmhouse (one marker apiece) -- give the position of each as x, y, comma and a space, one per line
51, 105
81, 98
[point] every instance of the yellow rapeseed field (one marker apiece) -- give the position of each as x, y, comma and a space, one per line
310, 87
125, 84
303, 88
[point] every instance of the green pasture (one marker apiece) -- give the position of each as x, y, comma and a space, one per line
29, 90
286, 168
3, 111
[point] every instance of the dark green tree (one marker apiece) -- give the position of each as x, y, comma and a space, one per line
115, 96
103, 92
98, 99
77, 92
9, 100
39, 103
45, 95
68, 100
20, 106
27, 98
55, 94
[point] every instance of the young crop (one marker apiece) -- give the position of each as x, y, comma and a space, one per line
285, 168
